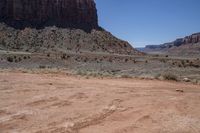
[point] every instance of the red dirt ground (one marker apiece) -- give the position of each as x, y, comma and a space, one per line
57, 103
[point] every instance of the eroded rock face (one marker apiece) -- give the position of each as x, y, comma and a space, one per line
194, 38
40, 13
188, 46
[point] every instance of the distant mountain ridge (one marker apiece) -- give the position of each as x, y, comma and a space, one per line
189, 45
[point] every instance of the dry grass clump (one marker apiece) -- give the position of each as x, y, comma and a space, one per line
94, 73
125, 76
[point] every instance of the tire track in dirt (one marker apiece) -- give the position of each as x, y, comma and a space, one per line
75, 126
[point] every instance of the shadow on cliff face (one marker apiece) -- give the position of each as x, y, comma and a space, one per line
75, 14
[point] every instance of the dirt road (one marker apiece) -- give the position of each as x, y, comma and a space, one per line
57, 103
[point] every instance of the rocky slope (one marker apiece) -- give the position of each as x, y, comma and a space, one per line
40, 13
54, 39
189, 45
56, 25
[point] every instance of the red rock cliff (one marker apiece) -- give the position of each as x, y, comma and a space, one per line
194, 38
40, 13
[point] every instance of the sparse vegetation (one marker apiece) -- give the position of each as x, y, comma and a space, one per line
42, 67
183, 62
63, 56
163, 60
179, 65
10, 59
19, 59
126, 60
170, 76
125, 76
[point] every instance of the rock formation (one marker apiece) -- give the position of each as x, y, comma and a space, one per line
40, 13
29, 26
194, 38
189, 45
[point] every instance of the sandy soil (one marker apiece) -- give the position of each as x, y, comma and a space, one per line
57, 103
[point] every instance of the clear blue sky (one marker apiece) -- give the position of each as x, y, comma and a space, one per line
143, 22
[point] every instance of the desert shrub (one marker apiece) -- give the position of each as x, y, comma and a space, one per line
125, 46
157, 76
85, 60
48, 55
77, 59
9, 59
126, 60
15, 60
163, 60
170, 76
196, 65
42, 67
110, 60
19, 59
82, 73
146, 61
179, 65
192, 64
95, 59
125, 76
167, 56
63, 56
182, 62
25, 57
134, 61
